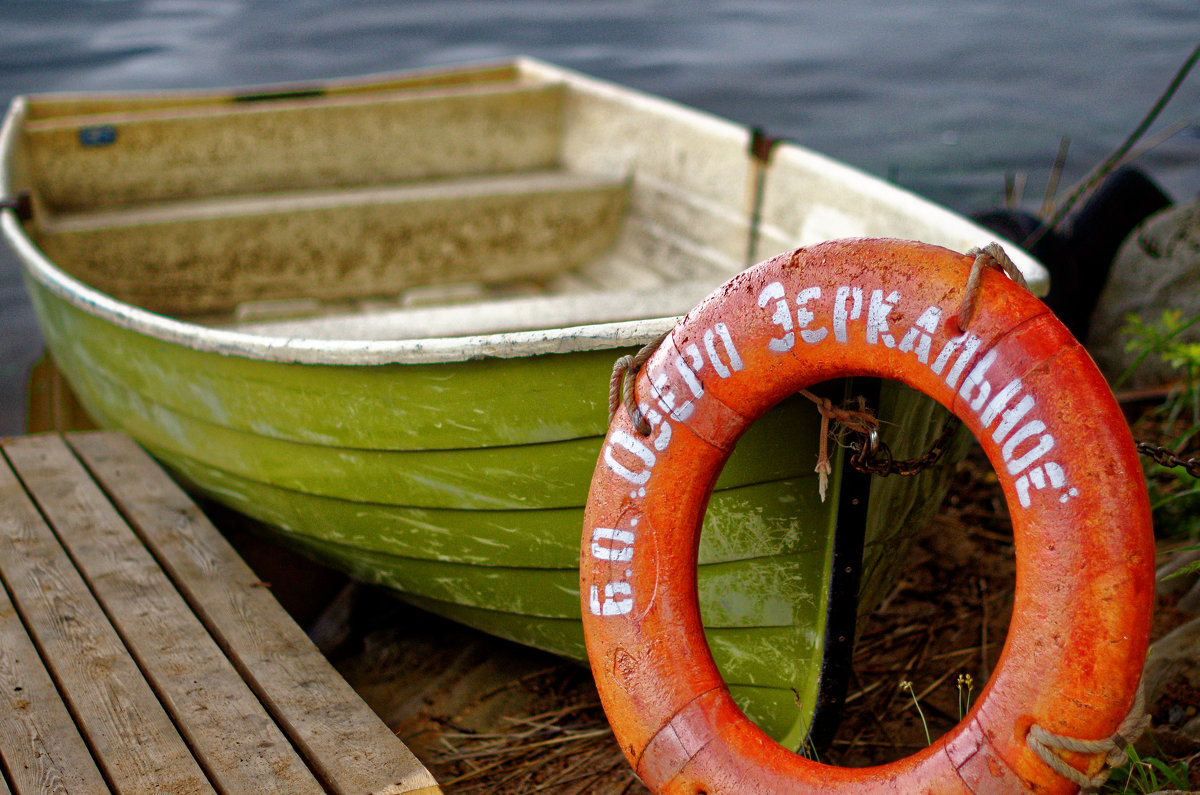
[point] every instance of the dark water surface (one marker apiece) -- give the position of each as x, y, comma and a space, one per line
943, 96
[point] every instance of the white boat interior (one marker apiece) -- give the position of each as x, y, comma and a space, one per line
501, 199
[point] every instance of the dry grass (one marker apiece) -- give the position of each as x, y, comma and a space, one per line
945, 620
537, 726
569, 750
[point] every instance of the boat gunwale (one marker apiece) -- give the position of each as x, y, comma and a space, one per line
430, 350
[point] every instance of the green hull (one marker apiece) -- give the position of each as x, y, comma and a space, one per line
240, 287
488, 535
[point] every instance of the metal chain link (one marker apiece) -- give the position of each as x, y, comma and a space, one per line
871, 455
1165, 456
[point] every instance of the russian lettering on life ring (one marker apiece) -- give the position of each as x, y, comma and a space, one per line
1049, 425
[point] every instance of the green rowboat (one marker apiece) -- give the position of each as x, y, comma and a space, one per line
379, 316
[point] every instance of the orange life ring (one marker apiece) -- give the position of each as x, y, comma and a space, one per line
1049, 425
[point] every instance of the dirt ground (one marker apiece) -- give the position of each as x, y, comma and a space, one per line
945, 620
491, 717
488, 716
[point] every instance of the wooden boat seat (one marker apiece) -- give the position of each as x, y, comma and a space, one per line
209, 255
129, 157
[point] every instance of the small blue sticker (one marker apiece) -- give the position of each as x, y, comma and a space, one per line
102, 135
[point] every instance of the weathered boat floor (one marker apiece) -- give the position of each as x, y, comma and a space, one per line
139, 653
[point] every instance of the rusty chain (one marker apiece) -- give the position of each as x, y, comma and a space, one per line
871, 455
1165, 456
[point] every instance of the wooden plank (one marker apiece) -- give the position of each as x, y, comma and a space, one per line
122, 721
343, 741
39, 744
233, 738
556, 185
151, 156
334, 244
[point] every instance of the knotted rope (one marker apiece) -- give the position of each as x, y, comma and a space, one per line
1044, 743
620, 384
858, 421
992, 255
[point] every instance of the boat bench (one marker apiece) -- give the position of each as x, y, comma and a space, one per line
343, 196
139, 653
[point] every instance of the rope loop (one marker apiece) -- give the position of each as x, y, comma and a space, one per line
620, 384
1045, 743
859, 421
990, 256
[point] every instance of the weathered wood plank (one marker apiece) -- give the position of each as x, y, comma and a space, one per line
207, 256
149, 156
233, 738
344, 742
39, 744
125, 726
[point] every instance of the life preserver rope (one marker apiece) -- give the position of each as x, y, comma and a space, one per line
620, 384
1043, 414
1114, 748
991, 255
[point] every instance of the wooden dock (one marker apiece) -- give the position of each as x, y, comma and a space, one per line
139, 654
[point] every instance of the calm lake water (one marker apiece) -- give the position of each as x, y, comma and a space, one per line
943, 96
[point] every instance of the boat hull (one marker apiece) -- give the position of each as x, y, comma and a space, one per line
486, 534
